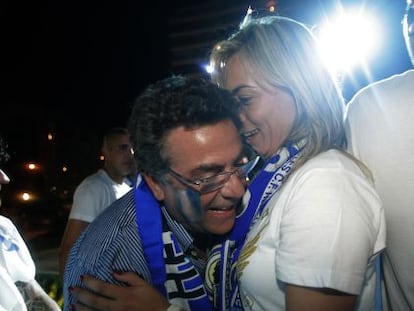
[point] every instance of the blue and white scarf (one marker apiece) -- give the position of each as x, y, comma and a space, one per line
224, 256
172, 273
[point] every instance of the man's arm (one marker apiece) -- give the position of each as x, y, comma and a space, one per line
320, 299
35, 298
74, 228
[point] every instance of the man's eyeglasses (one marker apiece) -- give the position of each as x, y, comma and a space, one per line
215, 182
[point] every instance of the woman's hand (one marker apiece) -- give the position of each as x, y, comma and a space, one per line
137, 296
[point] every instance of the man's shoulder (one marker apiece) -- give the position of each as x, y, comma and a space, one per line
96, 180
381, 98
120, 213
393, 82
390, 86
115, 227
110, 242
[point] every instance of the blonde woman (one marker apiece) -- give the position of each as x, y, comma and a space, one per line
316, 223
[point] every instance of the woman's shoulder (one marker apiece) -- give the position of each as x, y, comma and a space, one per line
333, 159
333, 165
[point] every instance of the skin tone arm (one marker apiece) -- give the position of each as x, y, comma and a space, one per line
73, 230
116, 298
312, 299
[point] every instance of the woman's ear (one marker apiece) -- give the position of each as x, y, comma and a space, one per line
155, 187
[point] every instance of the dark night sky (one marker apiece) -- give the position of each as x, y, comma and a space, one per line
74, 67
79, 61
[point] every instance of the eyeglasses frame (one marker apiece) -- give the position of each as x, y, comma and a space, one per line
241, 171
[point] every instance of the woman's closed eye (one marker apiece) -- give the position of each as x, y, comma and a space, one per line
243, 101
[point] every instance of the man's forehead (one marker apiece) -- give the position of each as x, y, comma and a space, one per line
214, 143
118, 139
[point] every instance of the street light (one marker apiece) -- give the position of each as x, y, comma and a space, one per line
348, 39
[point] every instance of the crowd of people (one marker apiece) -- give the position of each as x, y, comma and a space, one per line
258, 190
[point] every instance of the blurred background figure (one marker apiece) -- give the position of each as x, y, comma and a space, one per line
19, 289
99, 190
380, 131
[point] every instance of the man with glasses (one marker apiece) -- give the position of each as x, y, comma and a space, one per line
97, 191
381, 133
192, 175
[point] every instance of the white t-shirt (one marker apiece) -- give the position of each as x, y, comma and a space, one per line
380, 130
321, 230
16, 264
94, 194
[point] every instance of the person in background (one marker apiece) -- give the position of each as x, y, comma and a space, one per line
97, 191
380, 130
19, 291
192, 175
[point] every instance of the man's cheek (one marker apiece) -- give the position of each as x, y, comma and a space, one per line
188, 205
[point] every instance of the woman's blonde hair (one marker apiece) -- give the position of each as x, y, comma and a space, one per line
284, 53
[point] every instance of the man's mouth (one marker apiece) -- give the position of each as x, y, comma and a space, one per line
221, 209
250, 133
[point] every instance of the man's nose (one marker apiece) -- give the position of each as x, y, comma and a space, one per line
235, 187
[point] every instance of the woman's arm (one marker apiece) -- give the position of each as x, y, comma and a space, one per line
320, 299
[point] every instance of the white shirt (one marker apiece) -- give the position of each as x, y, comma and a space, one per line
321, 230
380, 130
16, 264
94, 194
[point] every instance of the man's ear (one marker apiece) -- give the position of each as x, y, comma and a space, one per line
155, 187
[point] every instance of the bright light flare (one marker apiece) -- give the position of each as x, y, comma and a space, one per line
209, 68
348, 40
31, 166
26, 196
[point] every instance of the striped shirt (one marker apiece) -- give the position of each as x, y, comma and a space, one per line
111, 243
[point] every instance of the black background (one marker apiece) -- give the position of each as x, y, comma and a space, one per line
74, 67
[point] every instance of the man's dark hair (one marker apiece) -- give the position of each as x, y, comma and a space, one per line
4, 155
171, 103
112, 132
